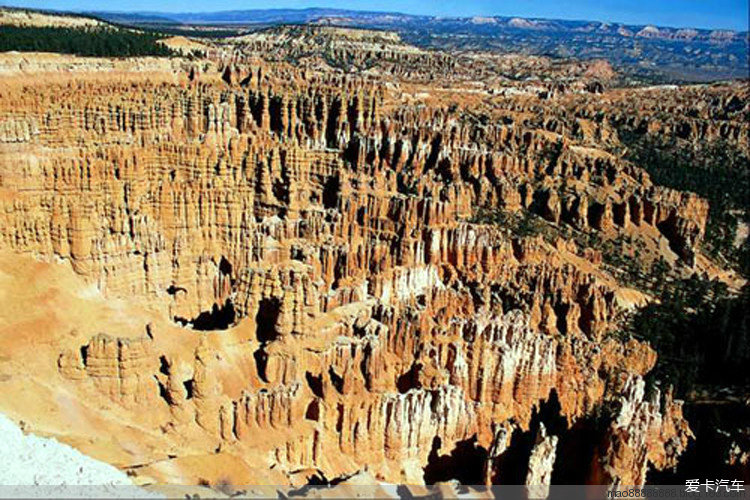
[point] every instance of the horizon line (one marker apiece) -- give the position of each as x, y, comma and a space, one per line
302, 9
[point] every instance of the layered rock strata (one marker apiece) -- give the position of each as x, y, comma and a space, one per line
311, 237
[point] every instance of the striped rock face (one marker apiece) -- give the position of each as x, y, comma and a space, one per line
242, 271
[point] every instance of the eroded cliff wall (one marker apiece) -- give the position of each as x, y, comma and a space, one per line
327, 299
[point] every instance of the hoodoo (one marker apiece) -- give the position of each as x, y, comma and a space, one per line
314, 252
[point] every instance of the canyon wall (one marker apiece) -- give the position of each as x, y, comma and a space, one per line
326, 223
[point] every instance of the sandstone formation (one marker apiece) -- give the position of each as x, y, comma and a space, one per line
310, 290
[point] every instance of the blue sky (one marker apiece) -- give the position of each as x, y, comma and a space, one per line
730, 14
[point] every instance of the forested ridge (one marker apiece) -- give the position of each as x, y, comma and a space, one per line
89, 41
